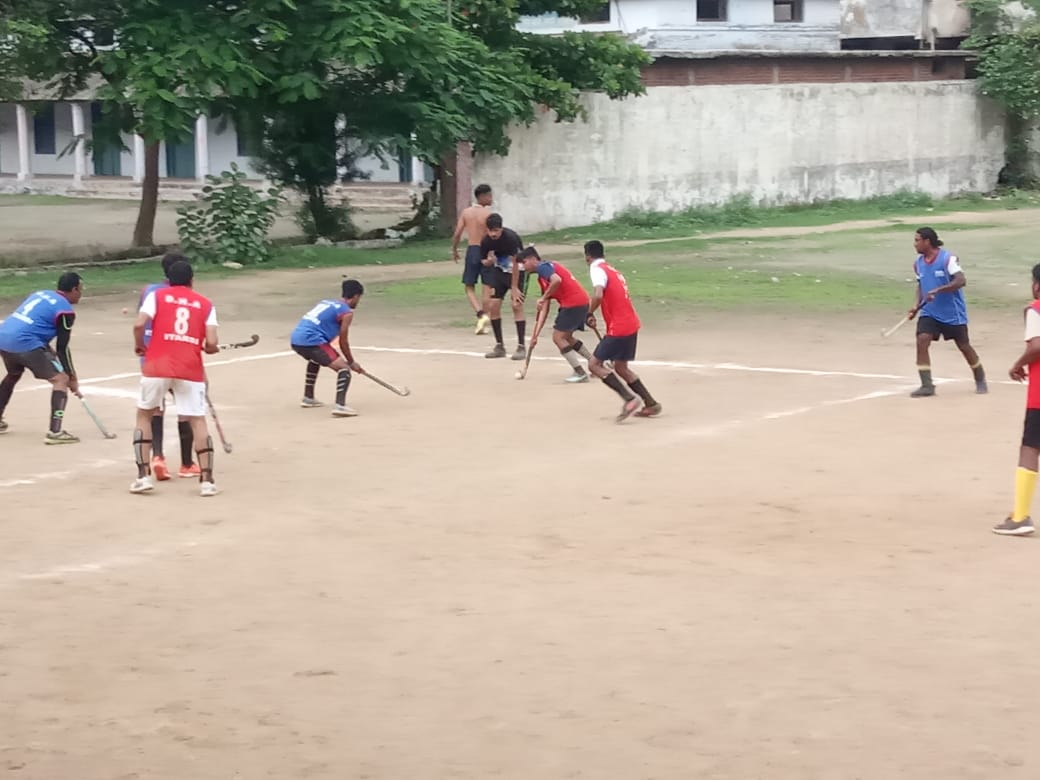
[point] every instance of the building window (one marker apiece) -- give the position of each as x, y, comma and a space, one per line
43, 130
601, 14
249, 132
711, 10
787, 10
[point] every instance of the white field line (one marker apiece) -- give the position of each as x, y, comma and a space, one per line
134, 558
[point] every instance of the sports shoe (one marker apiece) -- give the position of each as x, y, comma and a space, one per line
342, 410
628, 409
142, 485
3, 427
498, 352
61, 437
310, 403
924, 391
1010, 528
577, 377
521, 353
207, 489
981, 387
649, 411
159, 468
482, 324
190, 472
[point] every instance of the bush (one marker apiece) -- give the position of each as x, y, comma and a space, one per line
231, 224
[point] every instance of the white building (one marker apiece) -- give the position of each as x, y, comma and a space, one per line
719, 25
39, 153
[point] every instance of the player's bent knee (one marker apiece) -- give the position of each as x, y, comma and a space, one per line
60, 381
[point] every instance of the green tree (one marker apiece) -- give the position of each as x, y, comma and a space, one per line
1008, 47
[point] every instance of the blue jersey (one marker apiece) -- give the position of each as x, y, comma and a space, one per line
34, 323
948, 308
144, 294
321, 324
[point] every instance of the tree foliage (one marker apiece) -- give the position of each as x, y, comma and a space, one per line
1008, 46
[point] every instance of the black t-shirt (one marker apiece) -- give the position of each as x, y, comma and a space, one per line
508, 244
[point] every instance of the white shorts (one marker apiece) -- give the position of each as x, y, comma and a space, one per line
189, 396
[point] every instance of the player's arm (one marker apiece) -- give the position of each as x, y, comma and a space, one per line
1032, 351
554, 284
344, 343
211, 346
518, 297
144, 314
61, 346
457, 235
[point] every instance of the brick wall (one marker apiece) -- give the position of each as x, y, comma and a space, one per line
800, 70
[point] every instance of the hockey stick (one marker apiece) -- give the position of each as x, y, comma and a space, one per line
538, 325
220, 431
101, 427
392, 388
241, 344
886, 333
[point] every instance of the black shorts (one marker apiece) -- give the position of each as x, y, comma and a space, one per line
935, 329
322, 354
472, 268
617, 348
1031, 429
41, 361
501, 282
571, 318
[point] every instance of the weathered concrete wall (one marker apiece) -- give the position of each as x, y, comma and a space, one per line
684, 146
892, 18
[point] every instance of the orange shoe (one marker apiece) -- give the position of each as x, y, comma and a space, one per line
159, 468
190, 472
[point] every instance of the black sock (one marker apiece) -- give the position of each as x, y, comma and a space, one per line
157, 436
496, 326
312, 377
521, 328
342, 383
58, 400
184, 430
206, 461
642, 392
978, 372
926, 377
7, 390
582, 350
612, 381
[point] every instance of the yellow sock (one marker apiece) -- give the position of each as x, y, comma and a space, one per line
1025, 484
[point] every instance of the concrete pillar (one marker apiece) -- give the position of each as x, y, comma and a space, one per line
201, 148
418, 174
24, 158
341, 148
79, 153
138, 176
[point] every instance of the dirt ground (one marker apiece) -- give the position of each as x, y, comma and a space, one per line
71, 230
788, 575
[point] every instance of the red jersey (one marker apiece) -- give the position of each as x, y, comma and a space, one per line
1033, 393
179, 319
618, 311
570, 293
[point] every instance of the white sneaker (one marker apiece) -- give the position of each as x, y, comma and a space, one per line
575, 378
208, 489
142, 485
344, 411
310, 403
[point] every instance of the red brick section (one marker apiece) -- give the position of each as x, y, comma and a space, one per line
799, 70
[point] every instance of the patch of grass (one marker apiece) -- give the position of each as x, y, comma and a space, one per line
704, 283
328, 256
43, 200
742, 212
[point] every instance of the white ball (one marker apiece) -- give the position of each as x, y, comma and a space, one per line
518, 375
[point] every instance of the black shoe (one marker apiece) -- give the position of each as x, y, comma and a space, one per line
924, 391
1010, 528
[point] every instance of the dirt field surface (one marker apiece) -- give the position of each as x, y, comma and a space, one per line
788, 575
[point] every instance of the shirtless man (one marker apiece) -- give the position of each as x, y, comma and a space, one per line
473, 222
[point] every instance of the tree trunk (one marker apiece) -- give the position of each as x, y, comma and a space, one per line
144, 231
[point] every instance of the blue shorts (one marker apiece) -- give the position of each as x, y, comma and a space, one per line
617, 348
471, 271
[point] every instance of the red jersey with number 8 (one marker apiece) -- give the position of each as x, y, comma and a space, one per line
618, 311
179, 319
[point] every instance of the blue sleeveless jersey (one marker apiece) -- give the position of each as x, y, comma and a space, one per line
320, 325
34, 323
948, 308
144, 294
